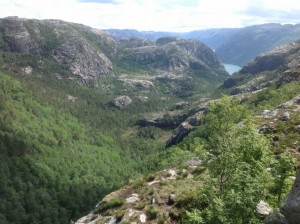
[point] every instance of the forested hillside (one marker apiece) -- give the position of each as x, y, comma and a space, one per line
64, 141
55, 165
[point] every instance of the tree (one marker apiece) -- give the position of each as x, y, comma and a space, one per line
237, 162
283, 168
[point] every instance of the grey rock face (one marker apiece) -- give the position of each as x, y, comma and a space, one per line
174, 53
85, 51
291, 207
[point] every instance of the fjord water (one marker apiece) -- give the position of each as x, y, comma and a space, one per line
232, 68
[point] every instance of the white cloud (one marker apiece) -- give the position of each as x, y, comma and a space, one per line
166, 15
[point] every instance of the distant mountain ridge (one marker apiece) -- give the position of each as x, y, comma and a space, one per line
233, 45
89, 55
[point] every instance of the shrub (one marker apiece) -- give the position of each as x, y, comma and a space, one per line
119, 215
114, 203
150, 177
152, 213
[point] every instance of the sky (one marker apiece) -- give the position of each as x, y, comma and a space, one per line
157, 15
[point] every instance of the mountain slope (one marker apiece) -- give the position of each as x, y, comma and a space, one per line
248, 42
280, 65
90, 56
85, 51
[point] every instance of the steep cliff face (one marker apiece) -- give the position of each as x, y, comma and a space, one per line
175, 53
85, 51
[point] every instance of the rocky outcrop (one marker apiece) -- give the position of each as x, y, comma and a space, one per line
185, 128
87, 52
173, 119
163, 120
120, 102
281, 65
289, 75
136, 83
253, 85
179, 133
174, 53
152, 199
291, 207
273, 59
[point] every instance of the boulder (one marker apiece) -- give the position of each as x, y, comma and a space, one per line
268, 113
291, 204
266, 129
181, 105
193, 162
120, 102
263, 208
284, 117
297, 127
288, 104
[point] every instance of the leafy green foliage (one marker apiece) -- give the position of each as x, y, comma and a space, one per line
272, 96
283, 169
57, 161
152, 213
236, 158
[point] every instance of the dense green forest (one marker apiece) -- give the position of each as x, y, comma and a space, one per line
58, 157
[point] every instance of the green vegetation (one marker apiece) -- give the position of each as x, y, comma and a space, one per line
152, 213
58, 160
114, 203
62, 149
273, 96
238, 170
